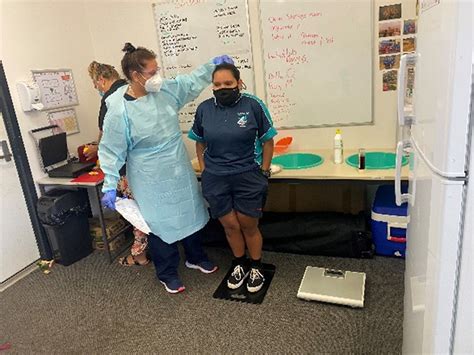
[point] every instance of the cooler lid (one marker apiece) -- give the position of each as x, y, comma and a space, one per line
384, 202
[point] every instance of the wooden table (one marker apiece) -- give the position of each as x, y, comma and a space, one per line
328, 170
342, 184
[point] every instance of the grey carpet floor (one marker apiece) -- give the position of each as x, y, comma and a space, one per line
96, 307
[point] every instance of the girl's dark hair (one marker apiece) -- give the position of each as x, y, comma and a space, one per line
134, 59
226, 66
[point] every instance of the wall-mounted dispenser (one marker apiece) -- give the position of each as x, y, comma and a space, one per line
30, 96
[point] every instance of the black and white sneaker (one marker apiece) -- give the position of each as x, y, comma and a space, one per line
255, 281
238, 276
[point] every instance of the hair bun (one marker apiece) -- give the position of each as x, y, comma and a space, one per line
129, 48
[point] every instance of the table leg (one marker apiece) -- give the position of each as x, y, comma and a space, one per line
102, 224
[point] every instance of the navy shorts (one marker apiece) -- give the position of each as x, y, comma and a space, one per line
245, 193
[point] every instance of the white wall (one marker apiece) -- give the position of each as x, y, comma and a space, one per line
112, 23
1, 30
42, 35
69, 34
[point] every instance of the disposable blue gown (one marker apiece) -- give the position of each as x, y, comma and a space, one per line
146, 134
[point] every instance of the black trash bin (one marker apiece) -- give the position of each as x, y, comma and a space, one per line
63, 214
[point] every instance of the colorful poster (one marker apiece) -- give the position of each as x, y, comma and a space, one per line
389, 46
390, 28
390, 12
409, 27
390, 80
409, 44
389, 62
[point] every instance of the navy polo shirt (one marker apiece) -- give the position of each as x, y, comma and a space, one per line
234, 135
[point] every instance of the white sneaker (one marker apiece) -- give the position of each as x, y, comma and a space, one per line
255, 281
237, 278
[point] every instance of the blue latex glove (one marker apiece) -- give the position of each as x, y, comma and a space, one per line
223, 59
108, 200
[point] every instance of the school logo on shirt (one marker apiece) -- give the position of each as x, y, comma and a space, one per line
243, 119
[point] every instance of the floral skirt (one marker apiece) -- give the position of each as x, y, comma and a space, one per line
140, 239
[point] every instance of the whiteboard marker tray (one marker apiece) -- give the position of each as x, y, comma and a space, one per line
333, 286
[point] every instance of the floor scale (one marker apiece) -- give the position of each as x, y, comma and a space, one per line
333, 286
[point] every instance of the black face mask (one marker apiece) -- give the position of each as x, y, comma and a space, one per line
227, 97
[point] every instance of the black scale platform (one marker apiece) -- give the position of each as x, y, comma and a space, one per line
241, 294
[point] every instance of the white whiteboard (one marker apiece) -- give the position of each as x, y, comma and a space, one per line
318, 61
191, 32
57, 87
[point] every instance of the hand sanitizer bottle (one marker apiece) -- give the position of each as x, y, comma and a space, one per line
338, 147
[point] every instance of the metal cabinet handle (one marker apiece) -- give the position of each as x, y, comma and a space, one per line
399, 197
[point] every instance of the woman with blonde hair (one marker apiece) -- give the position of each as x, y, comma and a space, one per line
106, 81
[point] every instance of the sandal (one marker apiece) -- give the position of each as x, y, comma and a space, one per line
125, 261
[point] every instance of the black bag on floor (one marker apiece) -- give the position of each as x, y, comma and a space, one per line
328, 234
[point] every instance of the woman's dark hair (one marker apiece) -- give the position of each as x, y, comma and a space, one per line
134, 59
230, 67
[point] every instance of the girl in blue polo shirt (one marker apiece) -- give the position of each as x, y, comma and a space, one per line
234, 144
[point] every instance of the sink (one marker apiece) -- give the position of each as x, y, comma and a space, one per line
375, 160
298, 160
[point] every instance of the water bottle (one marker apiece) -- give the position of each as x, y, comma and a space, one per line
338, 147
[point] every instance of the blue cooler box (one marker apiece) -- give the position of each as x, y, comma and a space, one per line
389, 222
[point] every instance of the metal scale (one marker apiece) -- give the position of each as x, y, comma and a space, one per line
333, 286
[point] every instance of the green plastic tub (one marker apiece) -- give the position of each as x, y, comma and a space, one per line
375, 160
298, 160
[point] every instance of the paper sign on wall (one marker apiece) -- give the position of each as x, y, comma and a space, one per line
428, 4
66, 121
